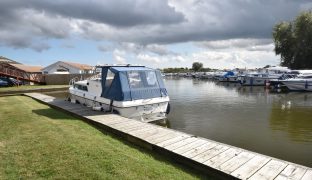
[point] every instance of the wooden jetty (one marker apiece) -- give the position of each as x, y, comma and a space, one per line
214, 158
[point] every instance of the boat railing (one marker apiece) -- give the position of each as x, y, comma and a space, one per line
95, 76
72, 81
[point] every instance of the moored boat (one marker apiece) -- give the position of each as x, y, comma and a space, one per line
135, 92
301, 83
257, 79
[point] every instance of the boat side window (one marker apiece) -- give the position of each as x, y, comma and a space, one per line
135, 80
109, 78
81, 87
307, 77
84, 88
151, 79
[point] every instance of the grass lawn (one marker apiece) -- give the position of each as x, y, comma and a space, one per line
38, 142
26, 87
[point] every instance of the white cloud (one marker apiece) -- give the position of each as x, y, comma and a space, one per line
150, 59
252, 44
235, 59
119, 56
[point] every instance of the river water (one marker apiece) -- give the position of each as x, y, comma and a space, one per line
274, 124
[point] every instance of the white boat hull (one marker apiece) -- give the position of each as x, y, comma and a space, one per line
233, 79
255, 81
144, 110
299, 85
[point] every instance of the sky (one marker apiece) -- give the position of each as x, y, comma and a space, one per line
159, 34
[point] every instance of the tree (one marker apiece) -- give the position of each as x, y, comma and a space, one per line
197, 66
293, 41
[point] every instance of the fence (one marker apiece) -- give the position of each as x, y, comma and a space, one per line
63, 79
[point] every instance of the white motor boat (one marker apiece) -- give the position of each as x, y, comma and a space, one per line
301, 83
257, 79
135, 92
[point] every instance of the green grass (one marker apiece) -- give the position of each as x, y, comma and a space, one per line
27, 87
38, 142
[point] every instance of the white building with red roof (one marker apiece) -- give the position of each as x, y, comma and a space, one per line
65, 67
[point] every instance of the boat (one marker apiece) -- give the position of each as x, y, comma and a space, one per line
277, 83
135, 92
263, 77
300, 83
229, 76
256, 79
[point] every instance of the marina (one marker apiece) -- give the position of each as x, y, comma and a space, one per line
210, 156
253, 118
275, 77
156, 90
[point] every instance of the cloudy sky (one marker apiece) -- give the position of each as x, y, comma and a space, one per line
159, 33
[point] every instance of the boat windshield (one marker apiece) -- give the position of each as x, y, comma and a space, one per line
142, 79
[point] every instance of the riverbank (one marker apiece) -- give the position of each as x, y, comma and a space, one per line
18, 90
41, 142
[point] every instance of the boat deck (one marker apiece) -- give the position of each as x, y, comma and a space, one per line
214, 158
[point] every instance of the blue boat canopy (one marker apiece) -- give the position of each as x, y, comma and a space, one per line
229, 73
126, 83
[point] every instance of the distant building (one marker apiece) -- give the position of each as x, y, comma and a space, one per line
64, 67
7, 60
27, 74
29, 69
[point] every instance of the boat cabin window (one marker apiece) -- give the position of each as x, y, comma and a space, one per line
151, 78
142, 79
109, 78
81, 87
135, 80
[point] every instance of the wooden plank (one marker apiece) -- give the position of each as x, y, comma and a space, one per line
152, 132
159, 135
198, 150
173, 140
70, 107
250, 167
60, 103
164, 138
133, 128
223, 157
291, 172
178, 144
89, 113
307, 175
125, 124
78, 110
270, 170
84, 111
108, 119
210, 153
237, 161
142, 131
190, 146
64, 104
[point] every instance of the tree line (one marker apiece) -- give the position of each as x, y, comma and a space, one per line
196, 67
